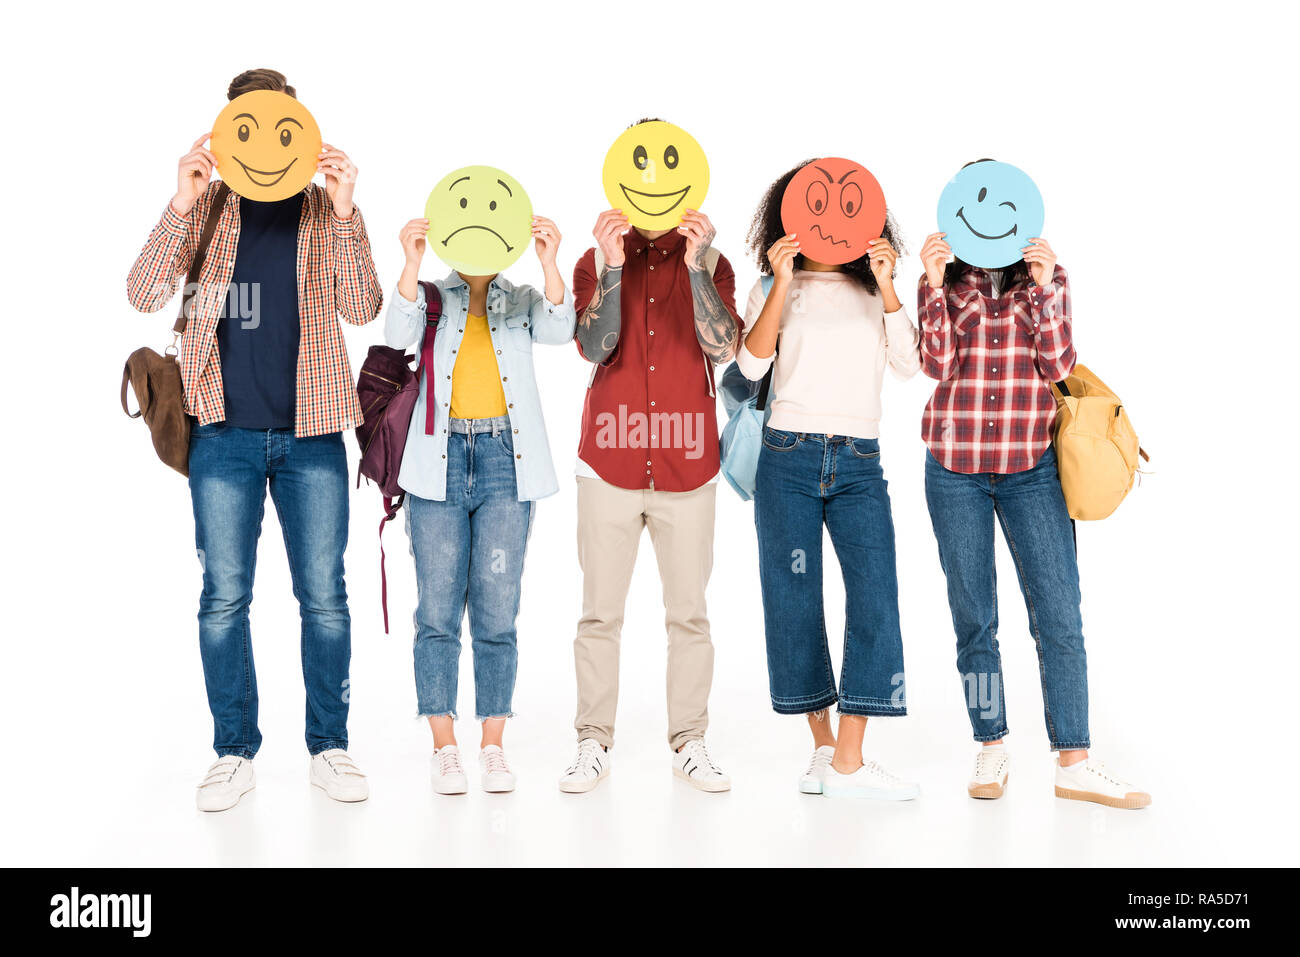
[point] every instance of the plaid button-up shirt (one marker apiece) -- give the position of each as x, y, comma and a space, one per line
336, 277
995, 359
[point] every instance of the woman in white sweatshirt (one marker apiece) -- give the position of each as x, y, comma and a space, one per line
827, 333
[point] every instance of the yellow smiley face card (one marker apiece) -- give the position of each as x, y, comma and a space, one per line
654, 172
267, 145
480, 220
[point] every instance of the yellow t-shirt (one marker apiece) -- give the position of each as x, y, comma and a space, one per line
476, 391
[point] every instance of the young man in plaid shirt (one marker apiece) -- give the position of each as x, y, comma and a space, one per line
996, 340
271, 394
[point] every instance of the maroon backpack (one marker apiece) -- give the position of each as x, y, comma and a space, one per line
388, 389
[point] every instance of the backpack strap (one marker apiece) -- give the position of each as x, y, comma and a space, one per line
200, 254
391, 507
765, 386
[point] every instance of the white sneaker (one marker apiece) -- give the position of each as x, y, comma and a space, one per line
229, 779
448, 773
1090, 781
495, 774
588, 768
869, 781
335, 773
693, 764
811, 781
992, 767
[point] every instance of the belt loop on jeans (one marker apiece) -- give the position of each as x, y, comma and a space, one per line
494, 425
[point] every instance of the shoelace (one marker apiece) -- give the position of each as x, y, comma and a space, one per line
1099, 769
700, 753
987, 763
494, 762
821, 760
875, 769
586, 759
222, 770
449, 762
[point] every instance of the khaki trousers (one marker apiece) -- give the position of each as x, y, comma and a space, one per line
610, 520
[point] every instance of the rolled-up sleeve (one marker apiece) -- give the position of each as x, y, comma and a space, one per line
404, 320
1049, 323
552, 324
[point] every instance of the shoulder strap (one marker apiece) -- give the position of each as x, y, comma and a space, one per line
432, 301
767, 281
201, 253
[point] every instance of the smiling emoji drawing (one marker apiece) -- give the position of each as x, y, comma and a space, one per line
990, 211
480, 220
654, 172
834, 207
266, 144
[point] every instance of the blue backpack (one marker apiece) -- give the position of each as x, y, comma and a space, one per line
746, 404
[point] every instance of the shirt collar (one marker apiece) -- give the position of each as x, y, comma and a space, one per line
454, 281
634, 242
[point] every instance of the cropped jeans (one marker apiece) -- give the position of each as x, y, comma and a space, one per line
469, 553
805, 481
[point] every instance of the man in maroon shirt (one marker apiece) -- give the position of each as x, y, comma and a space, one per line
656, 312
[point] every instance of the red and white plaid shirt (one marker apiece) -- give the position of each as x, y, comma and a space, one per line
336, 277
995, 359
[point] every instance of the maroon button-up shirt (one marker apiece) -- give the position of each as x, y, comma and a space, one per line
650, 419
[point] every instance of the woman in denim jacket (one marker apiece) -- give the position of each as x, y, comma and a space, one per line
471, 479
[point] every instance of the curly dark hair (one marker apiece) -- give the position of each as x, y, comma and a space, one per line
1012, 275
765, 229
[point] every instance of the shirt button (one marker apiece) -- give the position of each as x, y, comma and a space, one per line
992, 397
647, 463
510, 406
652, 245
520, 455
995, 313
652, 368
990, 425
652, 298
647, 471
652, 332
516, 431
652, 402
652, 268
498, 352
995, 368
525, 325
995, 342
505, 378
494, 328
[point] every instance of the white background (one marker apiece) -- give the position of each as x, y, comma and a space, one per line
1161, 137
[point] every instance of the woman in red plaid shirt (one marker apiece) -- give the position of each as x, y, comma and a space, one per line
996, 340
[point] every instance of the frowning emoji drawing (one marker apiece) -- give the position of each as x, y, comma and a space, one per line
654, 172
480, 220
266, 144
835, 207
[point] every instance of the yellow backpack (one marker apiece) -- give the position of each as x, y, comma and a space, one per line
1097, 450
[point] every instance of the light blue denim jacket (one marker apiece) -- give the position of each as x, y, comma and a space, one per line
517, 316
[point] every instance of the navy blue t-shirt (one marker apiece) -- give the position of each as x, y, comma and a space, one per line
257, 334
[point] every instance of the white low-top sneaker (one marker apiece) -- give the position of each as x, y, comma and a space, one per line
589, 768
229, 779
992, 768
812, 780
1088, 780
448, 773
495, 774
693, 765
869, 781
335, 773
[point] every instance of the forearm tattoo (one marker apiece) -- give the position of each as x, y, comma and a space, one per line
602, 320
715, 326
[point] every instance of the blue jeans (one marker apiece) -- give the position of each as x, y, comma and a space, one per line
1030, 507
230, 471
804, 481
469, 551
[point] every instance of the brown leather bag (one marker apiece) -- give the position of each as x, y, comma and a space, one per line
156, 379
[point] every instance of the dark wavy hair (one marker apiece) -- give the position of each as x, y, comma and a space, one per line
1012, 275
765, 229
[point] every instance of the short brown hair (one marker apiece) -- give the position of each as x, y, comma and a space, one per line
262, 79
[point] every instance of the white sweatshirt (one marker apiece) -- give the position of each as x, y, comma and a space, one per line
835, 341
